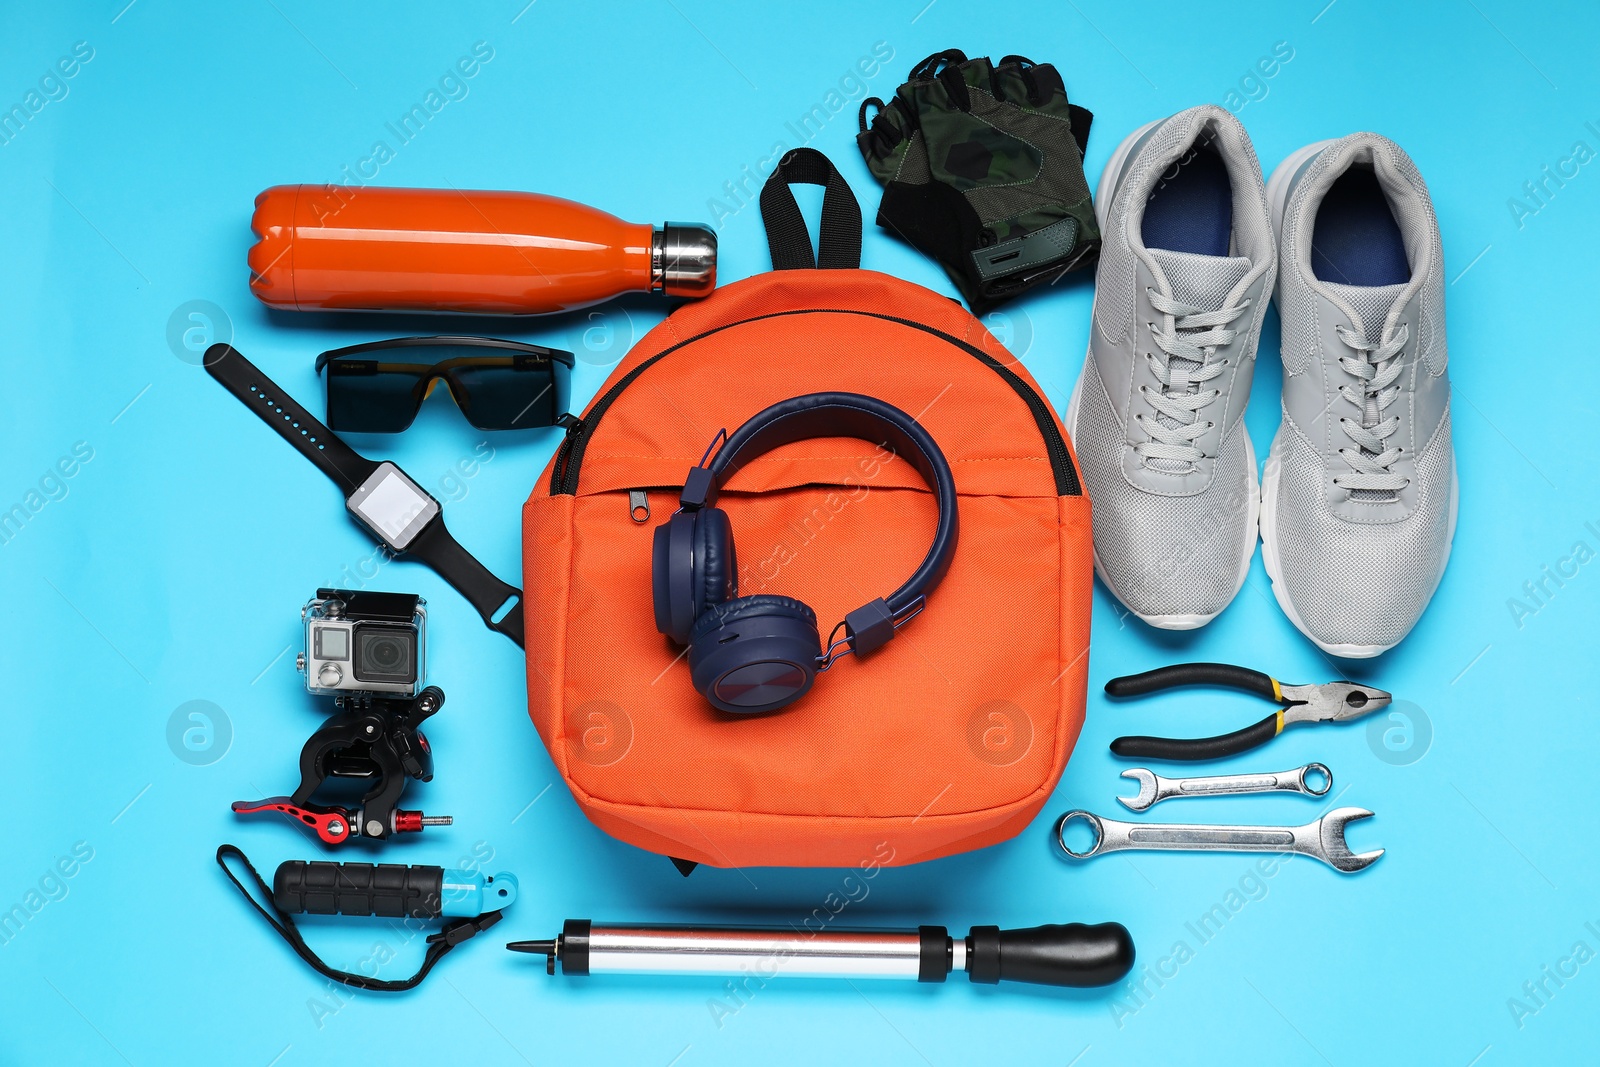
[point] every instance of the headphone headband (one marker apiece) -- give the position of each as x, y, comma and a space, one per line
864, 418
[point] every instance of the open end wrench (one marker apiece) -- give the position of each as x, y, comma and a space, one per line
1322, 839
1153, 788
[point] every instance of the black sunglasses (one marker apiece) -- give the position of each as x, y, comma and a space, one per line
379, 387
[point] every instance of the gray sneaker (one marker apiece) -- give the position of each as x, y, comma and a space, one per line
1185, 269
1359, 493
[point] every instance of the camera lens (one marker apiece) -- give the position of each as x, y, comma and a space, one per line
385, 655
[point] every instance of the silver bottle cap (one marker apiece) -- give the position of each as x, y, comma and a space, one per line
683, 259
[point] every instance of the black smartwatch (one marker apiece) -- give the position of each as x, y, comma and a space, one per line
383, 498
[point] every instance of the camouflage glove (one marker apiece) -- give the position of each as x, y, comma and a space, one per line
982, 168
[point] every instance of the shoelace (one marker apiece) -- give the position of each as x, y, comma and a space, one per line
1375, 366
1183, 364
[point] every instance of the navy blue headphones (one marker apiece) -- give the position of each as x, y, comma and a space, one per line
761, 653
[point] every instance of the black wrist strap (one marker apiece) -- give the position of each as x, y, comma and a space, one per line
447, 938
348, 469
438, 549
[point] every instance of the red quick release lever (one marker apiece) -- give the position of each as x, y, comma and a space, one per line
332, 825
335, 826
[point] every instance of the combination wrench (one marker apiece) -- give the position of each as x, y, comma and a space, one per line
1312, 780
1322, 839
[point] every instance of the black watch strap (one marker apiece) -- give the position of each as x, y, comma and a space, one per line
349, 469
436, 547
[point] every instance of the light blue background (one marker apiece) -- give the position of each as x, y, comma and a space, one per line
174, 566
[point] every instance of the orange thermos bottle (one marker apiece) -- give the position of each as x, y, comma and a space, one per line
335, 248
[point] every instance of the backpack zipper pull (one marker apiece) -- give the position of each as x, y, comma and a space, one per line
638, 505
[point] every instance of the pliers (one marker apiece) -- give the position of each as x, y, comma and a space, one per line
1333, 702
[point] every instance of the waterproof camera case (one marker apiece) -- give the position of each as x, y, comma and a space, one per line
363, 643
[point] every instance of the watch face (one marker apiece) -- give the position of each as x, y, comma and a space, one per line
393, 506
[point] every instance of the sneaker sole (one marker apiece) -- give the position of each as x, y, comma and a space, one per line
1278, 200
1102, 204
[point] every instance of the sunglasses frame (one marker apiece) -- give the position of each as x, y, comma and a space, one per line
560, 365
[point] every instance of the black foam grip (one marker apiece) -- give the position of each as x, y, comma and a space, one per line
393, 890
1177, 675
1197, 748
1060, 954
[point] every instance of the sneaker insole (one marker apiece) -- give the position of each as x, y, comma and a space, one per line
1354, 239
1191, 207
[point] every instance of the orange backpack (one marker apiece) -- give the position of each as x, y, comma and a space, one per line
948, 738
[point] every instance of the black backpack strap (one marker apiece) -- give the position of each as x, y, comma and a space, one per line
451, 935
839, 244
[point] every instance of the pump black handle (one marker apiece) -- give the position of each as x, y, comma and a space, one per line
1061, 954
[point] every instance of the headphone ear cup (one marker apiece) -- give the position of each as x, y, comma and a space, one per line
755, 654
672, 576
715, 565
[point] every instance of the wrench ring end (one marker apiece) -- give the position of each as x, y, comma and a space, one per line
1094, 825
1316, 769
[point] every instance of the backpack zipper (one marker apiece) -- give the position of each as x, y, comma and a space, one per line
569, 457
